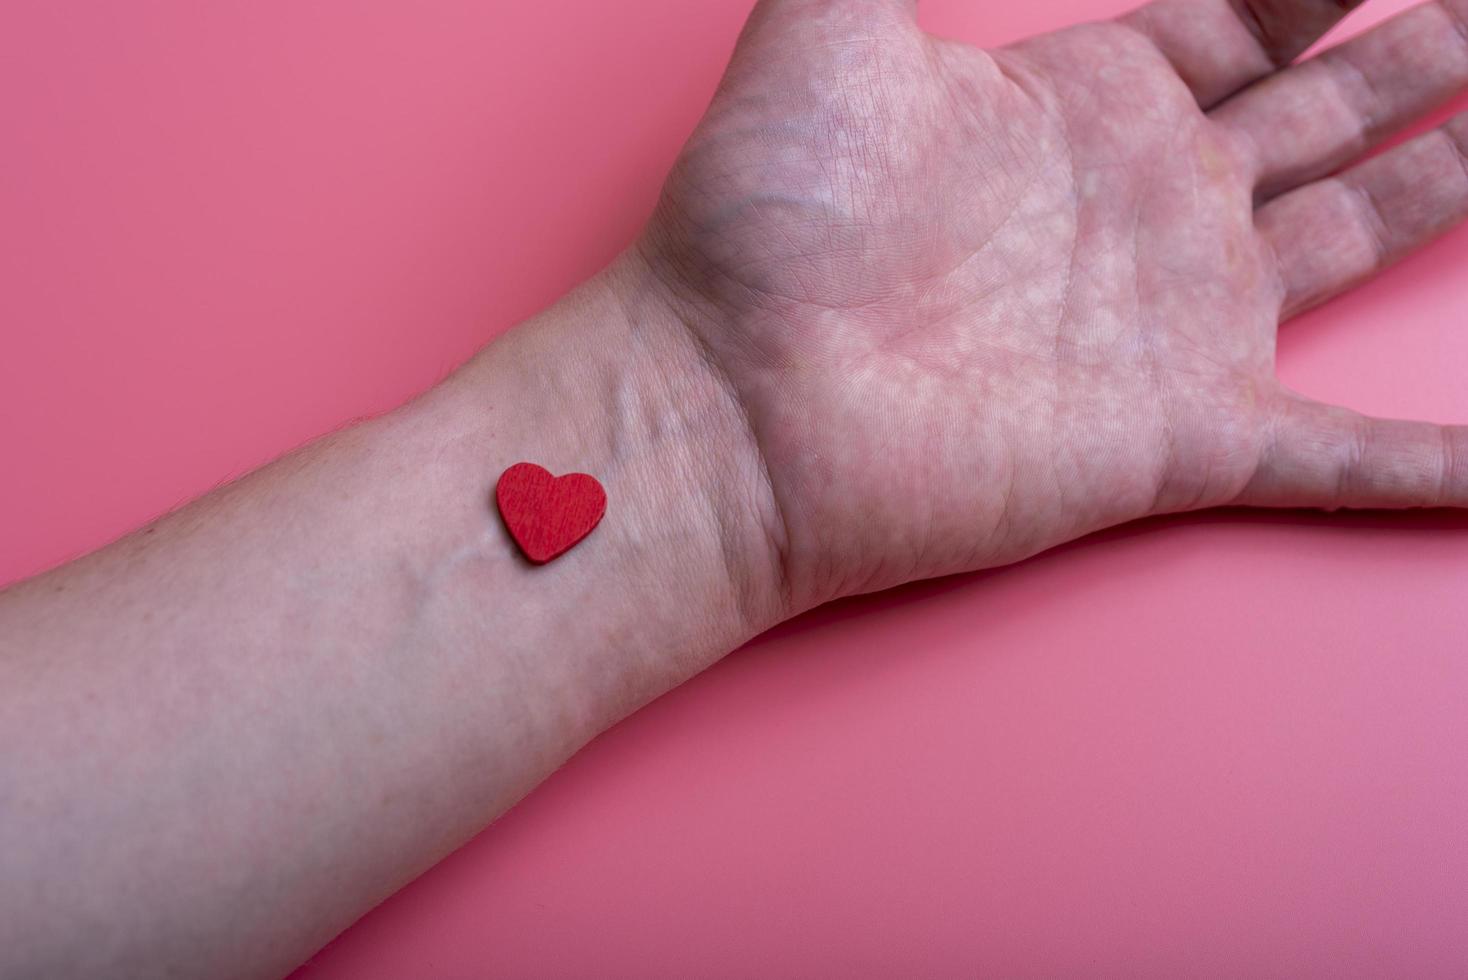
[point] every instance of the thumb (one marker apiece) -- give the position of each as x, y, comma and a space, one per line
815, 8
833, 18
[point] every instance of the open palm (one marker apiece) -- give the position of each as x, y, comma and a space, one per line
974, 304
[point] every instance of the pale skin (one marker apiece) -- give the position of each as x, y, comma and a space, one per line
906, 309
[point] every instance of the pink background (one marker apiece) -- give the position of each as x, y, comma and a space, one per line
1225, 744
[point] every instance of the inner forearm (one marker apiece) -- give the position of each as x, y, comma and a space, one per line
232, 732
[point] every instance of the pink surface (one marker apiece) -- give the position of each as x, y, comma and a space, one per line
1224, 745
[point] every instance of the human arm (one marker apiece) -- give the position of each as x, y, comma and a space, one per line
229, 734
911, 419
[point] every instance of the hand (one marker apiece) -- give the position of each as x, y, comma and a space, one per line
974, 304
906, 308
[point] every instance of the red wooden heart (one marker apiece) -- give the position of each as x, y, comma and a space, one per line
547, 514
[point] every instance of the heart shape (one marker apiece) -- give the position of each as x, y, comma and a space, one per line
547, 514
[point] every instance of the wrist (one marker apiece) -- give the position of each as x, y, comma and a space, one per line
682, 428
684, 566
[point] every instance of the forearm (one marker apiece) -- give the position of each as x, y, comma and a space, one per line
231, 733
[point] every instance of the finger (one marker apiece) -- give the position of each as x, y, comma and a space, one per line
1310, 119
1219, 46
1323, 456
1332, 234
